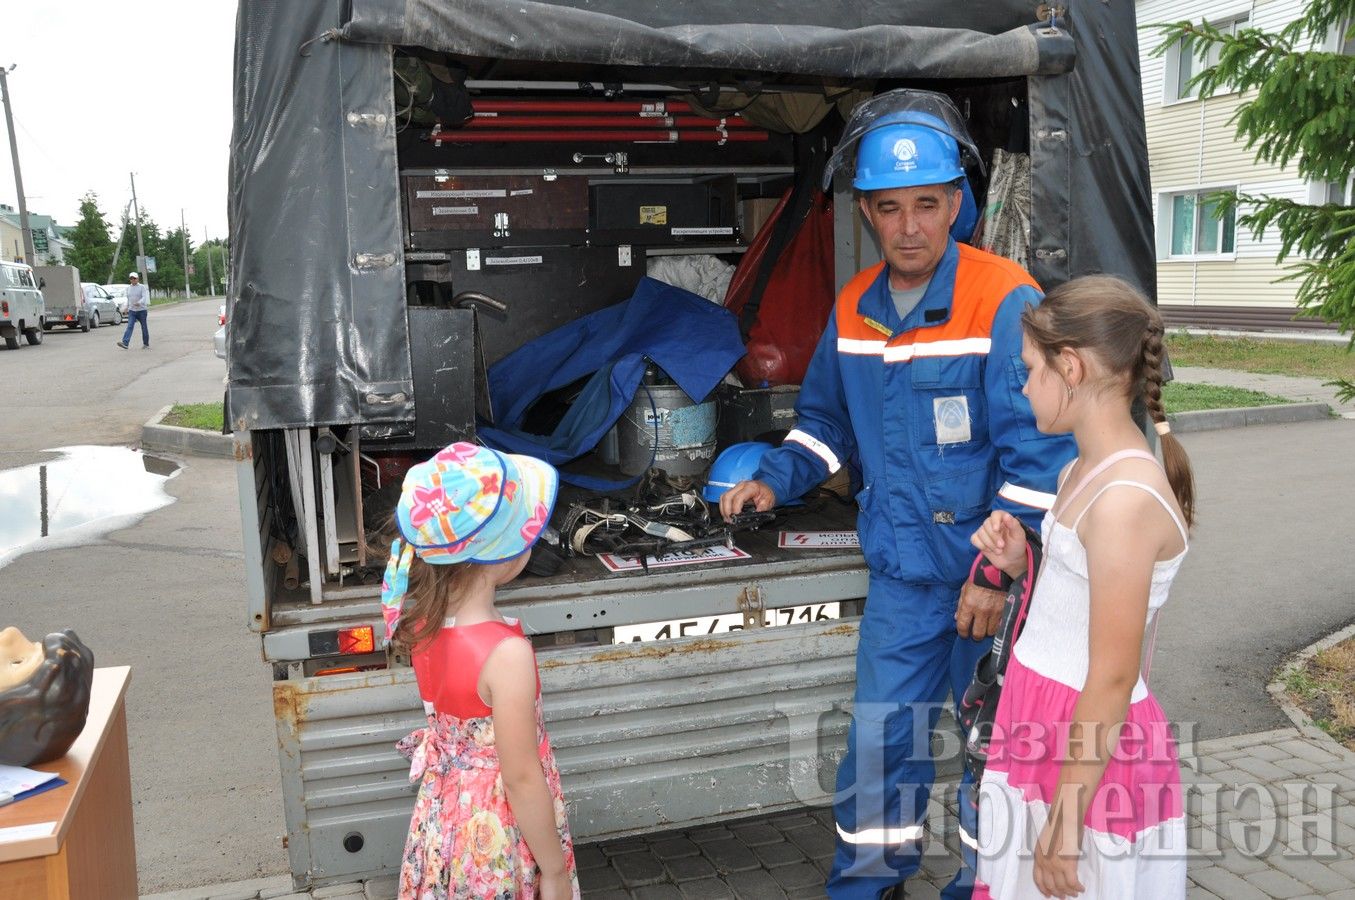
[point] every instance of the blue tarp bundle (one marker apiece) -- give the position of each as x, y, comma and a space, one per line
694, 341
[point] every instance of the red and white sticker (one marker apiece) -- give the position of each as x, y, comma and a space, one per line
817, 540
616, 563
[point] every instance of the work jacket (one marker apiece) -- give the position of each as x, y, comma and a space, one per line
930, 410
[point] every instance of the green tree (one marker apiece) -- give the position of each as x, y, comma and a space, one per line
1300, 108
170, 260
91, 247
152, 240
201, 266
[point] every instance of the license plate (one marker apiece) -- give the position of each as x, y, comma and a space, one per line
699, 625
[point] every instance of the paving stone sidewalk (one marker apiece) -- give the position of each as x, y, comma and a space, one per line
1270, 815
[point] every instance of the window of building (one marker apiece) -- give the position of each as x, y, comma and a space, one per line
1342, 38
1195, 228
1342, 193
1183, 65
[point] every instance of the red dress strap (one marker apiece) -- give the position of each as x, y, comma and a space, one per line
448, 666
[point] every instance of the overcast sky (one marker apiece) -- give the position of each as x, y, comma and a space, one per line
104, 89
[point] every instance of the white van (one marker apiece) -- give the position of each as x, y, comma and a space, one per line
21, 306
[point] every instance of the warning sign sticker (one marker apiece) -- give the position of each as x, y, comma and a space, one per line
616, 563
817, 540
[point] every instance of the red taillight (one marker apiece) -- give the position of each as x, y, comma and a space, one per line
360, 639
348, 670
5, 308
343, 641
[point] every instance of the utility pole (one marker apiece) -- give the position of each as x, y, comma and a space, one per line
140, 247
29, 256
211, 279
122, 234
183, 233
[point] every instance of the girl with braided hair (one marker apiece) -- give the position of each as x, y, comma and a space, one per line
1081, 793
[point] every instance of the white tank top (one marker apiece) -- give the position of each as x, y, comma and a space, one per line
1055, 639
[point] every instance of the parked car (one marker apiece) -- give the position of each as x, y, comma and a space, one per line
22, 309
219, 339
103, 306
119, 293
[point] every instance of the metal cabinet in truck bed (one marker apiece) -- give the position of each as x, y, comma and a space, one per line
356, 226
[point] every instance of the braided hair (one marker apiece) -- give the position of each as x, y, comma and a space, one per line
1109, 318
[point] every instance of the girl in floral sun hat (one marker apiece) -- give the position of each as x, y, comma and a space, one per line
489, 818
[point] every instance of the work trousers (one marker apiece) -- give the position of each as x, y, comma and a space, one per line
908, 658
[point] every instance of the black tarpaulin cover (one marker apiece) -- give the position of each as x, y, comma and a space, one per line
318, 333
850, 40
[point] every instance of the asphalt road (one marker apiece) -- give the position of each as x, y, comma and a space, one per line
165, 596
1268, 574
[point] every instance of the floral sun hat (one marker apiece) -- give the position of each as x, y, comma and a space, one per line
467, 504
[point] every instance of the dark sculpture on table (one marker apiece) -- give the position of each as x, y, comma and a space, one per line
44, 695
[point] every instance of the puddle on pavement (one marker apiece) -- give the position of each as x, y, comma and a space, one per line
83, 495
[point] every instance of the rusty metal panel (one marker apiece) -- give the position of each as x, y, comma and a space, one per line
680, 732
648, 736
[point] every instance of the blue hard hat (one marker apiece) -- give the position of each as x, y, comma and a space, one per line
737, 462
907, 149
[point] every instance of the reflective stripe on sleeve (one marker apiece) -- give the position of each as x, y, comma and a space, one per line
817, 447
882, 837
1025, 496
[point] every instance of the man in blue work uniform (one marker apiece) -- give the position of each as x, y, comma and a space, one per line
917, 382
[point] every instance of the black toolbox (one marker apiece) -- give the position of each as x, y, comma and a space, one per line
445, 211
543, 287
662, 211
752, 414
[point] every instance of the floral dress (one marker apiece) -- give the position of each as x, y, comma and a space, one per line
463, 839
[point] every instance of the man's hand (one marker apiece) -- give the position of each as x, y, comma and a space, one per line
980, 611
755, 492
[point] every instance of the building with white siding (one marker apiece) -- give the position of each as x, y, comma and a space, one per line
1209, 271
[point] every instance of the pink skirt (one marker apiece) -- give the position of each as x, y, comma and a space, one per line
1134, 841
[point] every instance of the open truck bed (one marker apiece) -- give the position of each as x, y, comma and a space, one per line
343, 347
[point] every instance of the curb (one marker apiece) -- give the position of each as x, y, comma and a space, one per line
1212, 419
1301, 719
173, 439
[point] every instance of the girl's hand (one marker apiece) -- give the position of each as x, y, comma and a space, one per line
557, 886
1002, 539
1056, 856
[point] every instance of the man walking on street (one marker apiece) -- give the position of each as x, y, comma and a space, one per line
138, 305
916, 384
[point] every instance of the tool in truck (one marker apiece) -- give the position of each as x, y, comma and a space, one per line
917, 381
350, 360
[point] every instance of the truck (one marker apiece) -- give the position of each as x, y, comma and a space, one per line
22, 310
65, 298
376, 183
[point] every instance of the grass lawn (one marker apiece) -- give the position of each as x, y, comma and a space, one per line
1177, 398
1310, 359
1324, 688
204, 416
